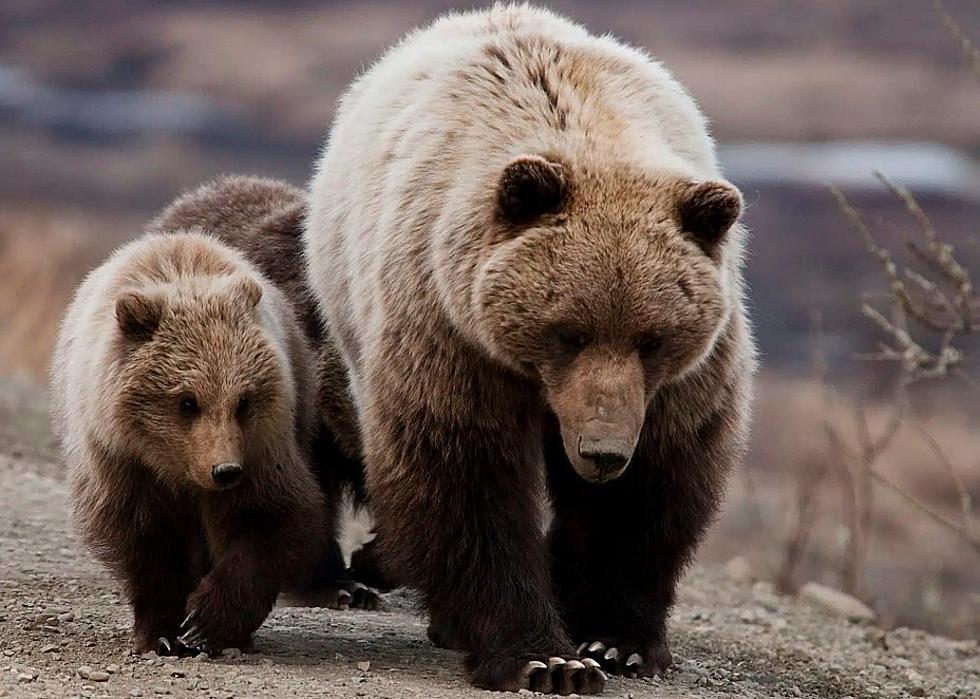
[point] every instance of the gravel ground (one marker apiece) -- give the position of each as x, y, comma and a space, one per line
64, 628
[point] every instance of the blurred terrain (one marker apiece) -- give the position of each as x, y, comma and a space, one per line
109, 109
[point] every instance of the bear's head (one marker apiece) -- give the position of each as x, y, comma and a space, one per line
202, 381
605, 284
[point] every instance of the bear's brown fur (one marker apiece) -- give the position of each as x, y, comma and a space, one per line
521, 240
183, 400
263, 219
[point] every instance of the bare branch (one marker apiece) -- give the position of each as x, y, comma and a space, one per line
970, 51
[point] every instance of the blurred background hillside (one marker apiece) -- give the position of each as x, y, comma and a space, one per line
109, 109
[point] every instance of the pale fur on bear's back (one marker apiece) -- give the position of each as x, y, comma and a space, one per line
424, 135
88, 355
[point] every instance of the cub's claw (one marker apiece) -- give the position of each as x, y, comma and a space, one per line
165, 646
611, 654
634, 659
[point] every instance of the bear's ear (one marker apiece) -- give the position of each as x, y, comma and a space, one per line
531, 186
706, 210
138, 314
248, 290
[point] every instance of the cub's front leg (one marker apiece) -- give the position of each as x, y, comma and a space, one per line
257, 551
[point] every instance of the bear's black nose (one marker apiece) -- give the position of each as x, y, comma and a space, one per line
609, 454
227, 474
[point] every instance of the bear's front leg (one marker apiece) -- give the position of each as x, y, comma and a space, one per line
147, 536
458, 507
619, 548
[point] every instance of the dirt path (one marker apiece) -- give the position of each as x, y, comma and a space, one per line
61, 615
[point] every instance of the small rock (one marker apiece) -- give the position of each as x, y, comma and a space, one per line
66, 616
50, 648
25, 677
84, 671
740, 570
113, 669
201, 658
836, 602
98, 676
137, 692
364, 666
231, 653
917, 691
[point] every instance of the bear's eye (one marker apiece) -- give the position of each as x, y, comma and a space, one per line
243, 408
571, 340
649, 344
188, 407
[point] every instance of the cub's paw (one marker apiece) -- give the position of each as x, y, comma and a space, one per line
626, 658
342, 595
161, 645
555, 675
223, 615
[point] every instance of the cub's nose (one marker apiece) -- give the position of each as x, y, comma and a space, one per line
609, 454
227, 474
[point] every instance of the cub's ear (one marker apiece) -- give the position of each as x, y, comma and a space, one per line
706, 210
138, 314
531, 186
246, 289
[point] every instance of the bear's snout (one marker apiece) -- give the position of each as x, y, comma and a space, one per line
227, 474
603, 457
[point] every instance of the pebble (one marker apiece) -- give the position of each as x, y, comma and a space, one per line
364, 666
98, 676
50, 648
112, 668
27, 675
84, 671
231, 653
201, 658
137, 692
66, 616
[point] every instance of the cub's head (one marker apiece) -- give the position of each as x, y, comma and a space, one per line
605, 284
202, 381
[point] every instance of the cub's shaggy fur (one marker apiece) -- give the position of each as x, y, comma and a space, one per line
183, 400
521, 241
263, 219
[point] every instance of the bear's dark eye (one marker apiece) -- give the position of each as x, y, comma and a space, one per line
571, 340
243, 408
649, 344
188, 407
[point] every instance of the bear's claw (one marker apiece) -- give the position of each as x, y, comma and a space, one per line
637, 664
192, 638
166, 648
562, 676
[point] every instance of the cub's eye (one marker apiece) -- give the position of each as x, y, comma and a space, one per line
571, 340
188, 407
243, 408
650, 344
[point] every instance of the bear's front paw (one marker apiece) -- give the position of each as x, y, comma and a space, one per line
554, 675
348, 594
161, 644
223, 615
627, 658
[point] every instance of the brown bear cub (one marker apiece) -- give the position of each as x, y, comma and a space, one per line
263, 219
523, 245
183, 400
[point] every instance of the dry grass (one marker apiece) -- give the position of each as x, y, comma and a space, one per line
42, 258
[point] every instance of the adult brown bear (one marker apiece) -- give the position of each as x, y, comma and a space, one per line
521, 240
